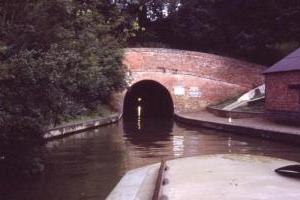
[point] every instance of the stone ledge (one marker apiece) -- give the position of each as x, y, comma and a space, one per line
285, 136
233, 114
65, 130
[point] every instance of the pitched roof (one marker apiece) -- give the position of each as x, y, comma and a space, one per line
289, 63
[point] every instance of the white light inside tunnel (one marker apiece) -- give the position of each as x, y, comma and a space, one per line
139, 99
139, 111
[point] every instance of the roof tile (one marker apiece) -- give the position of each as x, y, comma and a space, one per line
289, 63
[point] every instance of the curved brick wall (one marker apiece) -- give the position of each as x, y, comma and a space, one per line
214, 78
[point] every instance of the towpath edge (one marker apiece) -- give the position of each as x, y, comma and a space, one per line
76, 127
257, 127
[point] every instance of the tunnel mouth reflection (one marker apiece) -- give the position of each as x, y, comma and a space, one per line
147, 99
148, 132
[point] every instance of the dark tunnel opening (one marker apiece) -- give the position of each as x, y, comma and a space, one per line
148, 99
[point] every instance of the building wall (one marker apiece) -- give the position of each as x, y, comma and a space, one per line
279, 97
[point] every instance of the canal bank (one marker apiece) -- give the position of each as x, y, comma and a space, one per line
80, 126
257, 127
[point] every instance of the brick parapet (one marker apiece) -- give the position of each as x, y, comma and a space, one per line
206, 79
194, 63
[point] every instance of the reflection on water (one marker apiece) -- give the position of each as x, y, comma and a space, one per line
178, 145
148, 130
88, 165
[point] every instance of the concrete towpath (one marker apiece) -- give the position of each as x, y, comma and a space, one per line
249, 126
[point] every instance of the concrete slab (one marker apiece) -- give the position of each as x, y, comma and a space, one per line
67, 129
225, 176
229, 177
136, 184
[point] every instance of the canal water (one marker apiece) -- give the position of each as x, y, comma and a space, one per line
88, 165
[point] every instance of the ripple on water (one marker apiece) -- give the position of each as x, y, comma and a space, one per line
88, 165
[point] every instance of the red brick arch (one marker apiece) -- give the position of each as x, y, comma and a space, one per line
206, 78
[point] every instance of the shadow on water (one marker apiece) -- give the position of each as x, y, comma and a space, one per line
19, 159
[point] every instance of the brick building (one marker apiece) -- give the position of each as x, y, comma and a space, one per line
283, 89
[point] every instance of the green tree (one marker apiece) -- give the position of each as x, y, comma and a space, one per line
59, 59
260, 31
147, 15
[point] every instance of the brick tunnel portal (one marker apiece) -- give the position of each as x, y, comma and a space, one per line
148, 99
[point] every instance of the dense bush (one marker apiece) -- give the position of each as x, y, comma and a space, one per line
59, 59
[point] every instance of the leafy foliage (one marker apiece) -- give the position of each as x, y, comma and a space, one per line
260, 31
59, 59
